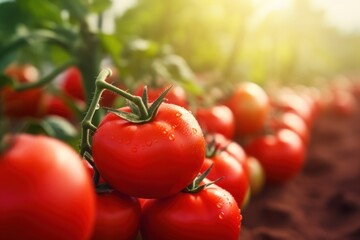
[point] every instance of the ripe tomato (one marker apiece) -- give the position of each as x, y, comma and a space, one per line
210, 214
294, 122
27, 103
56, 106
72, 83
217, 119
281, 155
176, 95
153, 159
45, 192
234, 179
231, 147
117, 217
250, 105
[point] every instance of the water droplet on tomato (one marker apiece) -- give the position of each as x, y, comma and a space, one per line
148, 143
221, 215
194, 130
174, 126
165, 132
178, 114
171, 137
219, 205
134, 149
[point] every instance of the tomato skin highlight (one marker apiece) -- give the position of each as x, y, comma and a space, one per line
281, 155
45, 192
210, 214
117, 217
217, 119
250, 105
150, 160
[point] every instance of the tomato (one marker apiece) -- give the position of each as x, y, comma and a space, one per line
231, 147
45, 191
281, 155
56, 106
250, 106
27, 103
289, 101
216, 119
72, 84
153, 159
177, 95
257, 175
234, 179
294, 122
210, 214
117, 217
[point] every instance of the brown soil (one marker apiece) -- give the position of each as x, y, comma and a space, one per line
323, 201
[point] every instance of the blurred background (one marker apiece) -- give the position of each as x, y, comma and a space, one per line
265, 41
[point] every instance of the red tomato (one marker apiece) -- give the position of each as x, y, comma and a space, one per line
234, 179
176, 95
281, 155
233, 148
149, 160
210, 214
72, 83
117, 217
45, 191
294, 122
26, 103
217, 119
250, 105
57, 106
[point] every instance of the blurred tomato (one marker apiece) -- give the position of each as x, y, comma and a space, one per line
28, 103
282, 155
294, 122
250, 105
216, 119
257, 175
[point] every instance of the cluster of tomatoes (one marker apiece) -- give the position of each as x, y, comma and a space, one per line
154, 170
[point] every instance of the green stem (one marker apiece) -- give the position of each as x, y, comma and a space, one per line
46, 79
87, 124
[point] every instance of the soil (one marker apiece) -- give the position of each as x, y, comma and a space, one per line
323, 201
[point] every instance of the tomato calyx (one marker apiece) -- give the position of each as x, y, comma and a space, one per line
103, 188
141, 111
196, 185
212, 149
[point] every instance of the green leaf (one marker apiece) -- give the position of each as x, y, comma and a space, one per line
41, 11
112, 46
61, 128
10, 18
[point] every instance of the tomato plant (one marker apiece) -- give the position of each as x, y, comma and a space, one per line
250, 105
117, 217
210, 213
27, 103
216, 119
45, 192
282, 155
